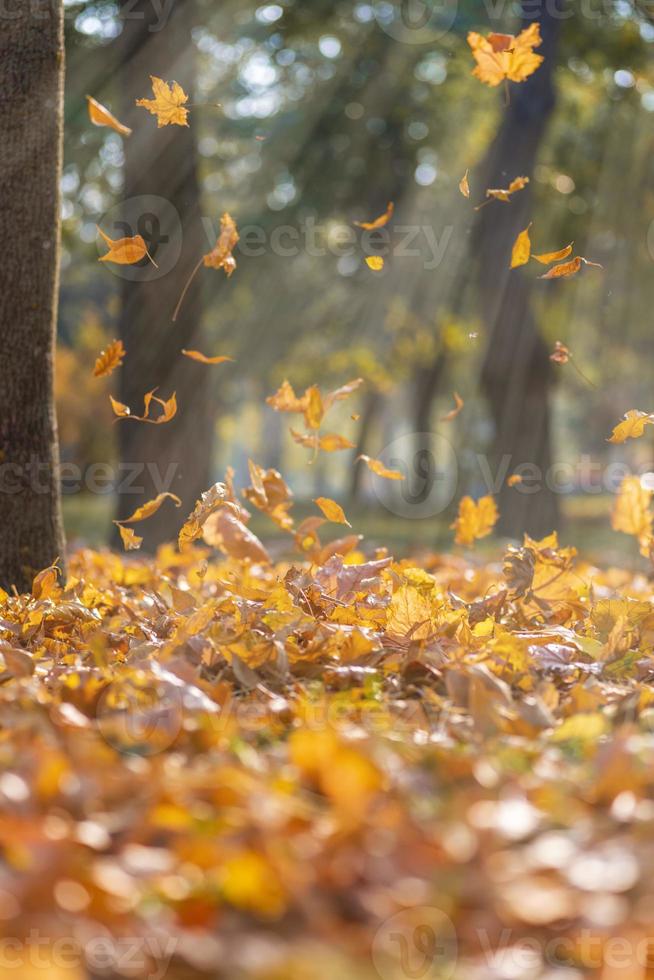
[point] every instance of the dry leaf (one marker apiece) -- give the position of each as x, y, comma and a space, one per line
560, 354
548, 257
125, 251
169, 407
568, 269
332, 511
375, 262
521, 249
195, 355
502, 57
220, 256
168, 103
210, 501
100, 116
110, 359
514, 480
632, 427
464, 185
376, 466
379, 222
475, 520
151, 507
631, 513
131, 540
505, 194
458, 402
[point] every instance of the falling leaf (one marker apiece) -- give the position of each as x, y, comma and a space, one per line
631, 513
122, 411
210, 501
100, 116
568, 269
379, 222
560, 354
459, 403
167, 104
521, 249
548, 257
632, 427
224, 530
475, 520
375, 262
220, 256
131, 541
125, 251
332, 511
376, 466
464, 185
514, 480
110, 359
340, 394
169, 407
505, 194
195, 355
332, 443
151, 507
502, 57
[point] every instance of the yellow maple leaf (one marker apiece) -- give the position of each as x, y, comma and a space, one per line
168, 103
502, 57
632, 427
475, 520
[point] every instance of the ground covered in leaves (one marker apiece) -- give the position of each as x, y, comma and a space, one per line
356, 768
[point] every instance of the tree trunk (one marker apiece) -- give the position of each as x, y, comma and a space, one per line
517, 375
31, 88
162, 202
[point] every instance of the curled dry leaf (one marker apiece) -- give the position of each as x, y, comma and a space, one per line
125, 251
475, 520
631, 512
379, 222
514, 480
130, 539
167, 104
220, 256
458, 405
504, 193
375, 262
223, 529
377, 467
195, 355
504, 57
560, 354
464, 185
150, 508
110, 359
632, 427
332, 511
270, 494
568, 269
548, 257
521, 252
100, 116
208, 503
169, 409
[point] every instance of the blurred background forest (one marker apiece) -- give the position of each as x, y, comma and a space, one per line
328, 111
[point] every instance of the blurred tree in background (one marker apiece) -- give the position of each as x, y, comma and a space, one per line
328, 112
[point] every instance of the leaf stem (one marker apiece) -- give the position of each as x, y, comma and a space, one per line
186, 288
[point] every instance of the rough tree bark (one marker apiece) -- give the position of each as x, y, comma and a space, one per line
162, 162
31, 89
516, 374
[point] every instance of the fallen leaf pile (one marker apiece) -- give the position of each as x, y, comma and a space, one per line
263, 763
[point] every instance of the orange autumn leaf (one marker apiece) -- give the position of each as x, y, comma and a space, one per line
120, 410
340, 394
464, 185
110, 359
285, 399
100, 116
333, 443
503, 57
505, 193
125, 251
458, 405
331, 510
150, 507
521, 249
631, 513
568, 269
314, 410
475, 520
548, 257
224, 530
210, 501
379, 222
514, 480
131, 540
196, 355
169, 409
375, 262
376, 466
632, 427
220, 256
167, 104
560, 354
